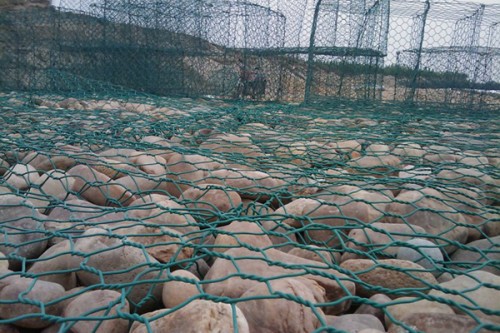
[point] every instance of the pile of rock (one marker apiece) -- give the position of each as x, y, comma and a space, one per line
254, 230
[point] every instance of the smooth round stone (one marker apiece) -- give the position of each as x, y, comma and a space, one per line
21, 176
422, 252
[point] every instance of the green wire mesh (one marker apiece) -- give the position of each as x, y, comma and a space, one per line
328, 210
126, 206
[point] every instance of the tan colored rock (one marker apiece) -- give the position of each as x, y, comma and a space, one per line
310, 212
170, 214
377, 311
293, 153
21, 176
282, 235
97, 187
425, 208
412, 305
483, 254
122, 265
354, 323
347, 147
150, 164
316, 253
233, 144
4, 166
491, 225
56, 259
181, 286
255, 185
53, 185
112, 168
281, 315
375, 239
390, 274
378, 149
470, 288
162, 243
256, 264
378, 166
408, 150
98, 304
160, 147
4, 262
64, 159
198, 316
208, 202
14, 287
77, 215
188, 170
241, 234
438, 323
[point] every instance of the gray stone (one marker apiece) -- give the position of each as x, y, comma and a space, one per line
422, 252
23, 231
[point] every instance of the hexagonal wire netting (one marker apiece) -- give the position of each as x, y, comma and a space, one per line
153, 177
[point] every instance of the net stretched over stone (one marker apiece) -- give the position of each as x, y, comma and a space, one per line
138, 213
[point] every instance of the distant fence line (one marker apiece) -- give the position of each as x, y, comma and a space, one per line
415, 51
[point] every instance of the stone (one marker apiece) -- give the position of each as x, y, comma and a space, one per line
425, 208
281, 315
159, 146
470, 288
241, 234
169, 214
181, 287
4, 167
389, 274
209, 202
122, 264
187, 170
51, 186
378, 166
320, 220
347, 147
378, 149
376, 239
150, 164
232, 144
408, 151
98, 188
55, 260
491, 225
17, 213
255, 185
483, 254
377, 309
197, 316
4, 262
162, 243
98, 303
316, 253
438, 323
14, 287
221, 279
422, 252
354, 323
293, 153
282, 235
21, 176
405, 305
